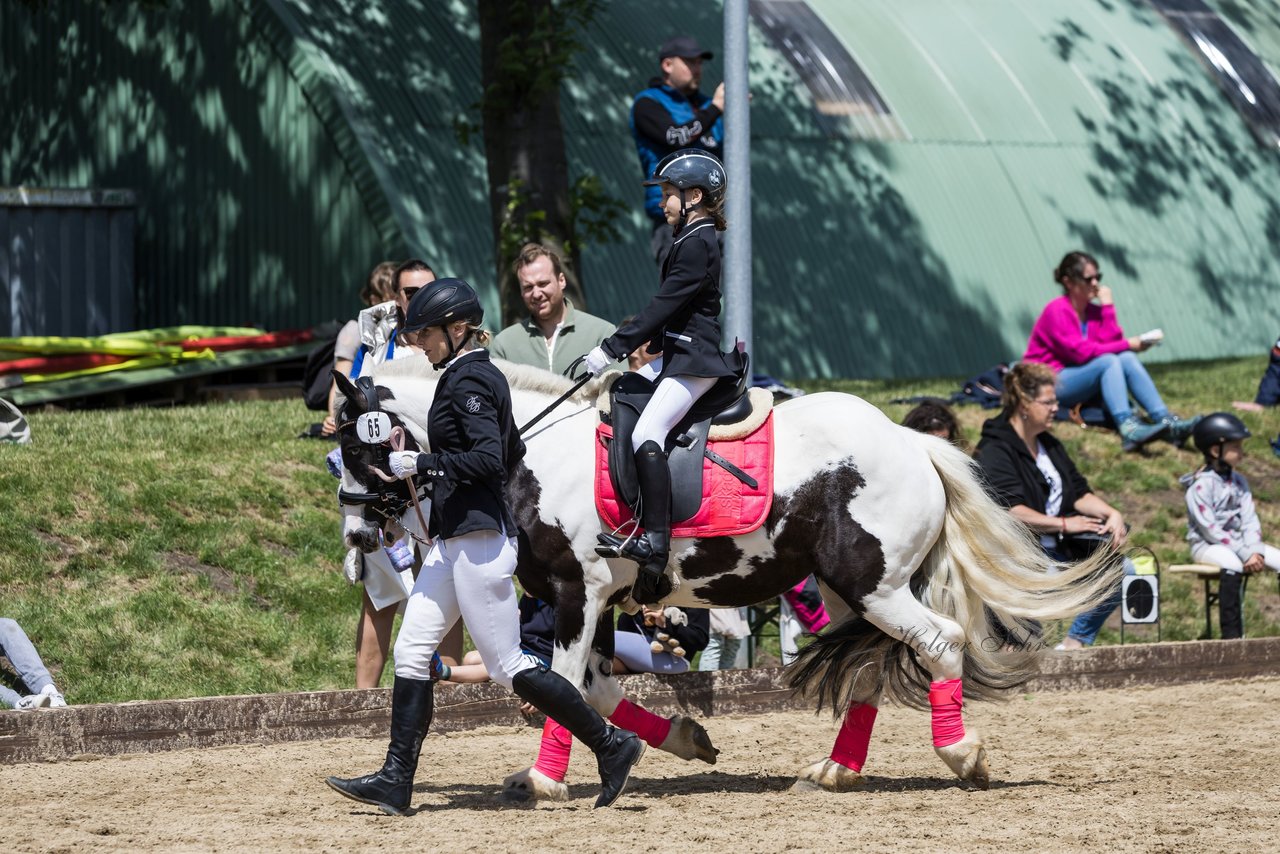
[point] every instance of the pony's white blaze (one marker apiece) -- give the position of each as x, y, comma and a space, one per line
860, 502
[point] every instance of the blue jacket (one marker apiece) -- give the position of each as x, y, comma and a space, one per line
663, 120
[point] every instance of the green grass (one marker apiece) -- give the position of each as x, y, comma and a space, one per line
195, 551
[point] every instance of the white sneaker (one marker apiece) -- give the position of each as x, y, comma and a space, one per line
32, 701
56, 700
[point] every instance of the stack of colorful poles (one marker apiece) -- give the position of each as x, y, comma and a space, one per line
36, 359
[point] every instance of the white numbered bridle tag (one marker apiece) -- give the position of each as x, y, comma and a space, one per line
373, 428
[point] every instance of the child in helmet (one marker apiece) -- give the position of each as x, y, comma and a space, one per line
1222, 525
682, 323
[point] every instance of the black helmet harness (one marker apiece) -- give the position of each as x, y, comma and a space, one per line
457, 301
1214, 431
687, 169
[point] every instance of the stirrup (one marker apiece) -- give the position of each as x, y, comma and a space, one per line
632, 548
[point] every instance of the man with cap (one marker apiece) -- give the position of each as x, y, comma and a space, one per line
670, 115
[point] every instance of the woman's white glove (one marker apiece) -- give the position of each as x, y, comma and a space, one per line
404, 463
597, 360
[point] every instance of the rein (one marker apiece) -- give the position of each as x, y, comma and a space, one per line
562, 398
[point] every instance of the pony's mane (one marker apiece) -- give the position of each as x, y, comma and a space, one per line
519, 377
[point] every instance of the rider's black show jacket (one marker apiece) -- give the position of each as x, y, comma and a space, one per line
682, 322
474, 448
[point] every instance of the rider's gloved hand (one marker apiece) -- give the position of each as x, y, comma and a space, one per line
597, 360
404, 463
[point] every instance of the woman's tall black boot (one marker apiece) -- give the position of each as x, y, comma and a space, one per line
652, 584
391, 789
616, 750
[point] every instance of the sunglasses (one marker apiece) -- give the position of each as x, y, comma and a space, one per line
1090, 280
409, 292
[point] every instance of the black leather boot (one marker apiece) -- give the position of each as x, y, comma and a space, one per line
652, 584
1230, 604
616, 750
391, 789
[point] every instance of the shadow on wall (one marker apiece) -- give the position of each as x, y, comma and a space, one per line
1176, 152
245, 213
854, 287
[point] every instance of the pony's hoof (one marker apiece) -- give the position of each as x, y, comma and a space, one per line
530, 786
828, 775
689, 740
968, 759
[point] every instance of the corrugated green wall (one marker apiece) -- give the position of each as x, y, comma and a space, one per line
248, 211
294, 143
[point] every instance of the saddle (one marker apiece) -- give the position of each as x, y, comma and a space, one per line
727, 419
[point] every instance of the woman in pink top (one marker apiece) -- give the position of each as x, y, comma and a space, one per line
1081, 340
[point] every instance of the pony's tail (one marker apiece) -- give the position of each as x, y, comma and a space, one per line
984, 566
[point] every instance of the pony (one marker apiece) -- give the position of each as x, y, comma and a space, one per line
916, 563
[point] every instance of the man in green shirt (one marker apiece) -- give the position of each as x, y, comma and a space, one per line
555, 333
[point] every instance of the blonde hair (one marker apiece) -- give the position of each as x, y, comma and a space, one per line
1023, 383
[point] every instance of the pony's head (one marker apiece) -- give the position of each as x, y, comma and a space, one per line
370, 427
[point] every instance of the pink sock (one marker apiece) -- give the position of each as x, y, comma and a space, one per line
855, 734
644, 723
553, 752
946, 698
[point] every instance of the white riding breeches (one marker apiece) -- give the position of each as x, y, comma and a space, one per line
1225, 558
467, 576
671, 402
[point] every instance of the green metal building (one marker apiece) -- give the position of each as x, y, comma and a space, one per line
918, 167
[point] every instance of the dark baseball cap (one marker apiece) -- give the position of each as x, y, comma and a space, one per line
685, 47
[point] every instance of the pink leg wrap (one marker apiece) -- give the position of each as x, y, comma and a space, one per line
947, 699
651, 728
855, 734
553, 752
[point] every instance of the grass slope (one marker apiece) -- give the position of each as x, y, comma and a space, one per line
194, 551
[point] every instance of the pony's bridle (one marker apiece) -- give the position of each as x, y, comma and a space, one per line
377, 428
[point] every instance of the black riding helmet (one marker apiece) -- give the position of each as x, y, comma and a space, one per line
689, 168
1216, 429
441, 303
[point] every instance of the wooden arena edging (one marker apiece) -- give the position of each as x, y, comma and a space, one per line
152, 726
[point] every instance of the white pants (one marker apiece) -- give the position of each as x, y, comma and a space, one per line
1225, 558
469, 577
672, 401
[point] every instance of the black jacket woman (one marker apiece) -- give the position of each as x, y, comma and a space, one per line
1029, 471
468, 570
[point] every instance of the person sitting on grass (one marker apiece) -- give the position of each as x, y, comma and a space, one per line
34, 676
1078, 336
1222, 524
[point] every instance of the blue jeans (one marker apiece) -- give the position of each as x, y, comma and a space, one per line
721, 652
16, 646
1116, 375
1085, 627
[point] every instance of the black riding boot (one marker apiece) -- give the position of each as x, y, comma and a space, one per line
391, 789
1230, 604
616, 749
652, 584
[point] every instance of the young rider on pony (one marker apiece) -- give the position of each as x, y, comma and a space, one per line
468, 570
682, 323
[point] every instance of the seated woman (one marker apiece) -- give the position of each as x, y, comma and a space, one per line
934, 417
1029, 471
1083, 342
637, 633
